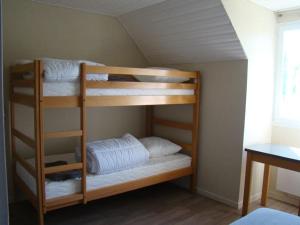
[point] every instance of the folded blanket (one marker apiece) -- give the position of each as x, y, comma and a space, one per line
112, 155
65, 70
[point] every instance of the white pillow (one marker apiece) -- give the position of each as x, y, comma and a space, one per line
161, 79
159, 147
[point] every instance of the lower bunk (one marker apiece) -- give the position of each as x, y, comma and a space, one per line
59, 194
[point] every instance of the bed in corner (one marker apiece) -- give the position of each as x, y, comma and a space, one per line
34, 84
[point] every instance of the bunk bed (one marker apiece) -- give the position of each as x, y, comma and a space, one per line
30, 176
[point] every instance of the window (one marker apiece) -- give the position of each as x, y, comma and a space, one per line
287, 88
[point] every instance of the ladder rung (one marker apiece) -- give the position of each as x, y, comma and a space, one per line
67, 167
63, 134
60, 201
23, 83
24, 138
174, 124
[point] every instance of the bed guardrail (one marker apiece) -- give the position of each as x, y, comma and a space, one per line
139, 71
96, 101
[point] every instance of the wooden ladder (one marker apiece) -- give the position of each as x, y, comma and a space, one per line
60, 134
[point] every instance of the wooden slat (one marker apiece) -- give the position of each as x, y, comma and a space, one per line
265, 187
29, 194
94, 101
139, 71
195, 135
39, 132
26, 165
25, 139
138, 85
63, 205
23, 83
247, 186
68, 167
63, 134
22, 68
289, 164
174, 124
61, 101
23, 99
83, 128
54, 203
132, 185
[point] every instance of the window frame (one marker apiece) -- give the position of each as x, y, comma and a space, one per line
277, 119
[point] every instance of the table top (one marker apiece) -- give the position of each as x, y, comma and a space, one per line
281, 151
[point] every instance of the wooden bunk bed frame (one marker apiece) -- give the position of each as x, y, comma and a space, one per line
39, 103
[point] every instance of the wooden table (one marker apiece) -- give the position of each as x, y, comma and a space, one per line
271, 155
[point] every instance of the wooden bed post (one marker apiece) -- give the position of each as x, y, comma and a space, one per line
39, 134
83, 128
195, 135
149, 120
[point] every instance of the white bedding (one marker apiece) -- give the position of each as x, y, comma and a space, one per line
114, 154
73, 89
64, 70
57, 189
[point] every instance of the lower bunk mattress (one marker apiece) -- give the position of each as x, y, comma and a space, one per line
54, 189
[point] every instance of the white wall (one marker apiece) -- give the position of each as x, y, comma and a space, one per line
222, 114
255, 27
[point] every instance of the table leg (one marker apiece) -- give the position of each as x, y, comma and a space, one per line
247, 184
265, 188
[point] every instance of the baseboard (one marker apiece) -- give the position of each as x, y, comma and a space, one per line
217, 197
284, 197
227, 201
253, 198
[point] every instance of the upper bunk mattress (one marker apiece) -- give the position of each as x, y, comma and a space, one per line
73, 89
55, 189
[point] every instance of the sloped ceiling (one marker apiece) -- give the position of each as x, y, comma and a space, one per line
189, 31
171, 31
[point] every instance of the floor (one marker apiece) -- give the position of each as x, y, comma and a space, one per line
163, 204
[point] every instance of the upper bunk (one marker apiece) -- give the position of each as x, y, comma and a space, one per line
29, 86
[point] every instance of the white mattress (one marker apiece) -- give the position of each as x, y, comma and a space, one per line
73, 89
57, 189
